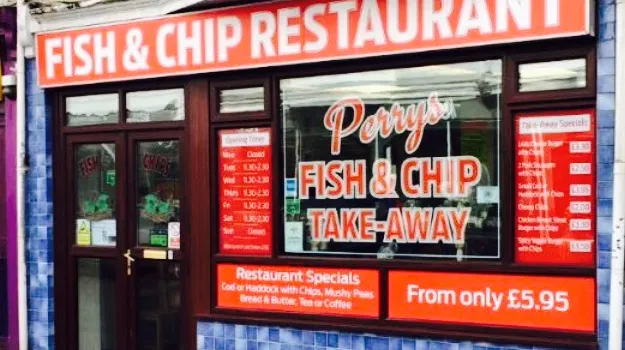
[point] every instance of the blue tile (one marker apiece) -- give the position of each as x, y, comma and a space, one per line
263, 334
394, 344
229, 331
252, 332
604, 260
606, 49
274, 334
422, 344
605, 83
358, 342
408, 344
321, 339
263, 346
252, 345
375, 343
201, 343
605, 242
230, 344
605, 102
604, 189
205, 329
605, 154
606, 67
605, 171
604, 223
240, 344
240, 331
308, 337
333, 340
291, 336
345, 341
605, 136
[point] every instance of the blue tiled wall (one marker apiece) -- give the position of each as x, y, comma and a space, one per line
219, 336
605, 159
38, 196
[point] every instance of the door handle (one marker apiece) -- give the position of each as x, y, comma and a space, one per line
129, 261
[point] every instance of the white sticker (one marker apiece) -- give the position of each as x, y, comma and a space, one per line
580, 246
554, 124
580, 208
578, 190
580, 147
580, 168
173, 235
580, 225
293, 237
488, 194
103, 232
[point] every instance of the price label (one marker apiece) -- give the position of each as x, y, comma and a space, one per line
580, 168
580, 208
580, 224
580, 147
546, 300
580, 190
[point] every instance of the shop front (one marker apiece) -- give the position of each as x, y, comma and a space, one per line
328, 174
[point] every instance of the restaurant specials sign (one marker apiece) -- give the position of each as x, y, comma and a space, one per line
289, 32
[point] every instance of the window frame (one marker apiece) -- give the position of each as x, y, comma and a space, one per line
512, 102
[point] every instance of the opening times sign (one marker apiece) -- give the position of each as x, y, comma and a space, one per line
245, 168
555, 197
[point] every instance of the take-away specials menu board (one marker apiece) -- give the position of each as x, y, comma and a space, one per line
555, 196
245, 164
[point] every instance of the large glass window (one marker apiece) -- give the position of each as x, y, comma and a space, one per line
394, 163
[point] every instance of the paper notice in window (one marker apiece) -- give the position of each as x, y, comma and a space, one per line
173, 235
488, 194
103, 232
293, 237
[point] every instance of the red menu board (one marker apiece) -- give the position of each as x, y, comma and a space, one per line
245, 165
555, 196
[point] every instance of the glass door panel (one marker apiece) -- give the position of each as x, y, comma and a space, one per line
159, 296
159, 192
96, 304
95, 194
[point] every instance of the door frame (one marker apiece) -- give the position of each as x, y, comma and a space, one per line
65, 272
180, 256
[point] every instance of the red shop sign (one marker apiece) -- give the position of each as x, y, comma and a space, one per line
555, 188
245, 196
288, 32
301, 290
530, 302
